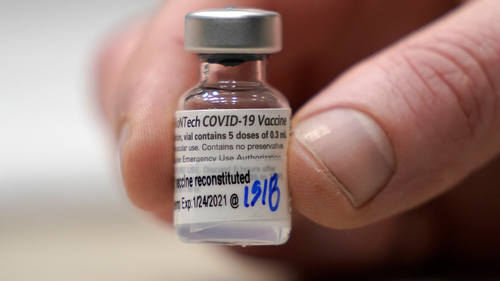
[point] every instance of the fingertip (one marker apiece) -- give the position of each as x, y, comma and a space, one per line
426, 104
353, 147
146, 165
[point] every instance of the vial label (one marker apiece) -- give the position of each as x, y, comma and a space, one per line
231, 165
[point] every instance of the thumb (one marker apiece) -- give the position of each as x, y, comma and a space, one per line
403, 126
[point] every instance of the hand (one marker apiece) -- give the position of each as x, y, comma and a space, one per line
396, 130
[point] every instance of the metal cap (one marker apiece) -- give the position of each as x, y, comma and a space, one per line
230, 30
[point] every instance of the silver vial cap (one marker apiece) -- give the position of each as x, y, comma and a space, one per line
233, 31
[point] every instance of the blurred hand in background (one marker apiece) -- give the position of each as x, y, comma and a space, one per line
414, 113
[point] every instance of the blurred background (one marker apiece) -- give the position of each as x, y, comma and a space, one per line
64, 214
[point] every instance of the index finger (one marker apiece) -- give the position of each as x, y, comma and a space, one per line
140, 103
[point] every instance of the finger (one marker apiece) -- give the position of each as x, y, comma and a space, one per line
402, 127
155, 76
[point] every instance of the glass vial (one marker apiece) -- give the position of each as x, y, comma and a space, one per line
232, 134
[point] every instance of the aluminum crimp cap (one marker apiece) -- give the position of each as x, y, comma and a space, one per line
233, 31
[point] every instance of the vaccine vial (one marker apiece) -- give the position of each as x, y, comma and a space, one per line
232, 133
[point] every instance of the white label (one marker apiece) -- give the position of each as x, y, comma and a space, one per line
231, 165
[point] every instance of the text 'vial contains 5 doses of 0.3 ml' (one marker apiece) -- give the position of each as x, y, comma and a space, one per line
232, 132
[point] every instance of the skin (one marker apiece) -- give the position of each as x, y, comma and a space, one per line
441, 202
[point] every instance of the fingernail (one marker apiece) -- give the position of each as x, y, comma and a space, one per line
353, 147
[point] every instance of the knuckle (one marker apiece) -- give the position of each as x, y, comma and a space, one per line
448, 81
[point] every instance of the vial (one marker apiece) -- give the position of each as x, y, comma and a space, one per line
232, 133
